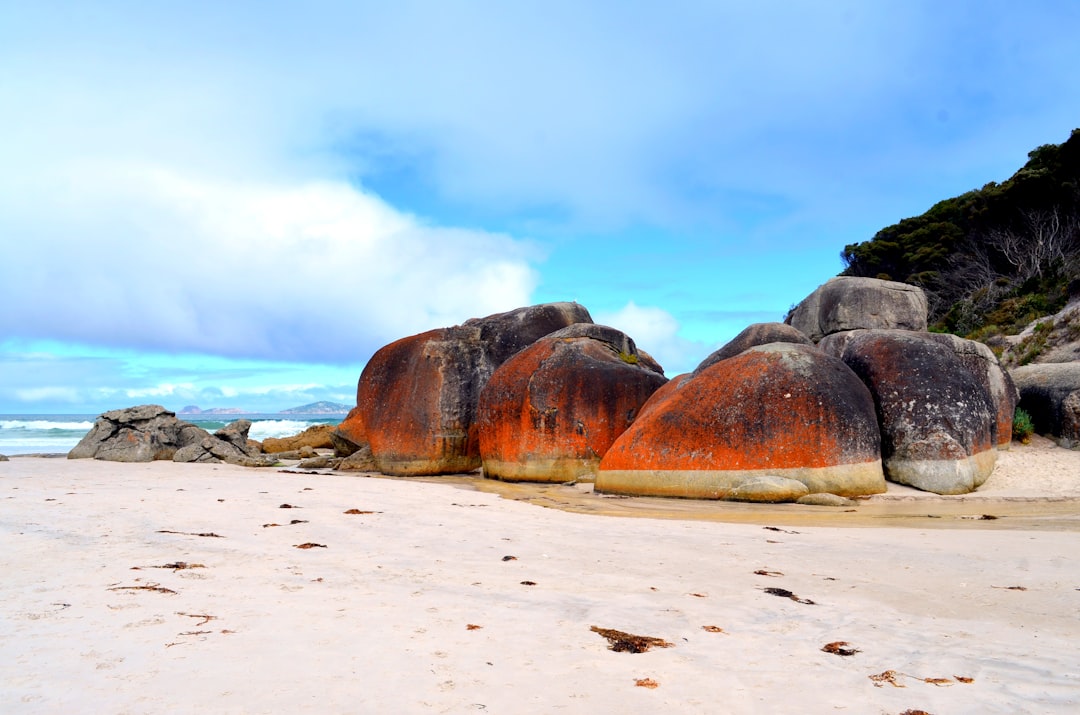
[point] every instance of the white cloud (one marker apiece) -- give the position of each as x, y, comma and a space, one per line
147, 257
163, 390
47, 394
656, 331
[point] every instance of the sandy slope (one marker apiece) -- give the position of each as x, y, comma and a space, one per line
381, 619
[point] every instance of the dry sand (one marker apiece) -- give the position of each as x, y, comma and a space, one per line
417, 607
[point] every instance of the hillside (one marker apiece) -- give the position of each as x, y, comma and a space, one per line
994, 259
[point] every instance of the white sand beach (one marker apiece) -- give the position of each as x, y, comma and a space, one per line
161, 587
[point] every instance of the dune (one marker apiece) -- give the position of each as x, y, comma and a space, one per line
168, 587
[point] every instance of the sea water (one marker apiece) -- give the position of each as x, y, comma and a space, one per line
56, 434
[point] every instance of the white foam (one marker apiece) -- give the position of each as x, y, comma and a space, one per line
261, 429
44, 425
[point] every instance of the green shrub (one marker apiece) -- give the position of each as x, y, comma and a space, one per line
1023, 427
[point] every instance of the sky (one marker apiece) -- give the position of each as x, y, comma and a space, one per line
235, 204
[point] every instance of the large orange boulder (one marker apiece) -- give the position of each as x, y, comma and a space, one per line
753, 425
549, 413
416, 399
938, 423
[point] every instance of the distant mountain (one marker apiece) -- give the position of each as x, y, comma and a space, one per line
195, 410
321, 407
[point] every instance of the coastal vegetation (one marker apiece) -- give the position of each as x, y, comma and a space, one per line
994, 259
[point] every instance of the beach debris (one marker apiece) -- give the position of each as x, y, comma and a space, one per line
472, 627
914, 712
887, 676
291, 523
892, 678
1011, 588
360, 511
206, 617
782, 531
646, 683
712, 629
763, 572
784, 593
156, 588
288, 506
208, 534
700, 595
622, 642
309, 545
509, 558
528, 583
175, 566
193, 633
839, 648
467, 505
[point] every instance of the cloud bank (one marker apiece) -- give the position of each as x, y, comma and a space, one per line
143, 257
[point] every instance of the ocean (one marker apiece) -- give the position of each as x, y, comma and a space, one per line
52, 434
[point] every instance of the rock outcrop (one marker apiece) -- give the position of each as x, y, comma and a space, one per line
416, 399
847, 303
756, 334
136, 434
550, 412
937, 422
316, 437
1050, 393
1052, 339
747, 426
150, 432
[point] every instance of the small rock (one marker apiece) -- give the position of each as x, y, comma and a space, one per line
825, 499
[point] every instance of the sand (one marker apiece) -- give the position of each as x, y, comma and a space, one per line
440, 597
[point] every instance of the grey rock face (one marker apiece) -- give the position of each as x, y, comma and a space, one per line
847, 303
756, 334
937, 421
360, 460
1050, 393
981, 362
148, 432
236, 434
213, 449
136, 434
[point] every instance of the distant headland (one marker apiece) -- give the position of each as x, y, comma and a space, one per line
321, 407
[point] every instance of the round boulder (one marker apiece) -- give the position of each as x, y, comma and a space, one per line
849, 303
937, 421
416, 399
549, 413
756, 334
778, 410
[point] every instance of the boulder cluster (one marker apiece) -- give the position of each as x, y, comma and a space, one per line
150, 432
850, 391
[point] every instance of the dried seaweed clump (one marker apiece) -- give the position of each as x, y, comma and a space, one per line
628, 642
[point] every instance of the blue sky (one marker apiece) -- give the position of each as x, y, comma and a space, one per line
236, 204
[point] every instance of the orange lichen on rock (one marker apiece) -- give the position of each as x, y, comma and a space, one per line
551, 412
778, 410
